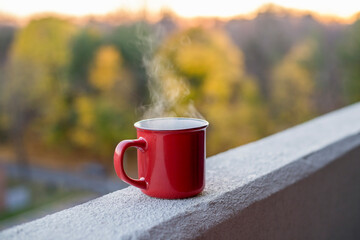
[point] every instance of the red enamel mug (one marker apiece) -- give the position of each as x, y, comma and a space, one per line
171, 157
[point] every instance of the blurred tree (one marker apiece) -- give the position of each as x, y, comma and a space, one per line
135, 43
77, 88
83, 47
106, 68
104, 115
268, 44
35, 78
351, 63
202, 69
7, 33
293, 86
267, 38
325, 68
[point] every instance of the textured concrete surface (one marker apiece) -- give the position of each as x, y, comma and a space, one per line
285, 183
325, 205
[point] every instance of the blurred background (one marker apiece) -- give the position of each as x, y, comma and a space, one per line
74, 78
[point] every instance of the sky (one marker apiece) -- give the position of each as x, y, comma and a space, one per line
185, 8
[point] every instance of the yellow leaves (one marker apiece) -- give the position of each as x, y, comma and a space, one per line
196, 60
4, 121
38, 60
100, 115
293, 85
249, 90
82, 137
44, 42
205, 60
204, 68
106, 68
302, 52
291, 79
108, 75
84, 107
216, 88
82, 134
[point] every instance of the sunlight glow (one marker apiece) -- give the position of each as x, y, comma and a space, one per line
186, 8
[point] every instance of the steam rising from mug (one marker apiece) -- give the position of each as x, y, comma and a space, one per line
168, 92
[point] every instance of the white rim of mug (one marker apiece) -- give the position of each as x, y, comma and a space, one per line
138, 123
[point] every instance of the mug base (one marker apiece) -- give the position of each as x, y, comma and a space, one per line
178, 195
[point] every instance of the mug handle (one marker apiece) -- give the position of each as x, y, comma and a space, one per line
120, 149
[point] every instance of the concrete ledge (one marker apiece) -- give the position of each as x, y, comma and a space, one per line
268, 182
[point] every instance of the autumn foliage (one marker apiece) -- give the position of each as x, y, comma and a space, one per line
77, 90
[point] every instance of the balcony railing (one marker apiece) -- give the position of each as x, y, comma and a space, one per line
302, 183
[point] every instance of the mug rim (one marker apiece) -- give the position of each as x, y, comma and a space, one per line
203, 125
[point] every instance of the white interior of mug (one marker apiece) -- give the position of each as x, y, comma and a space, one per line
170, 124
